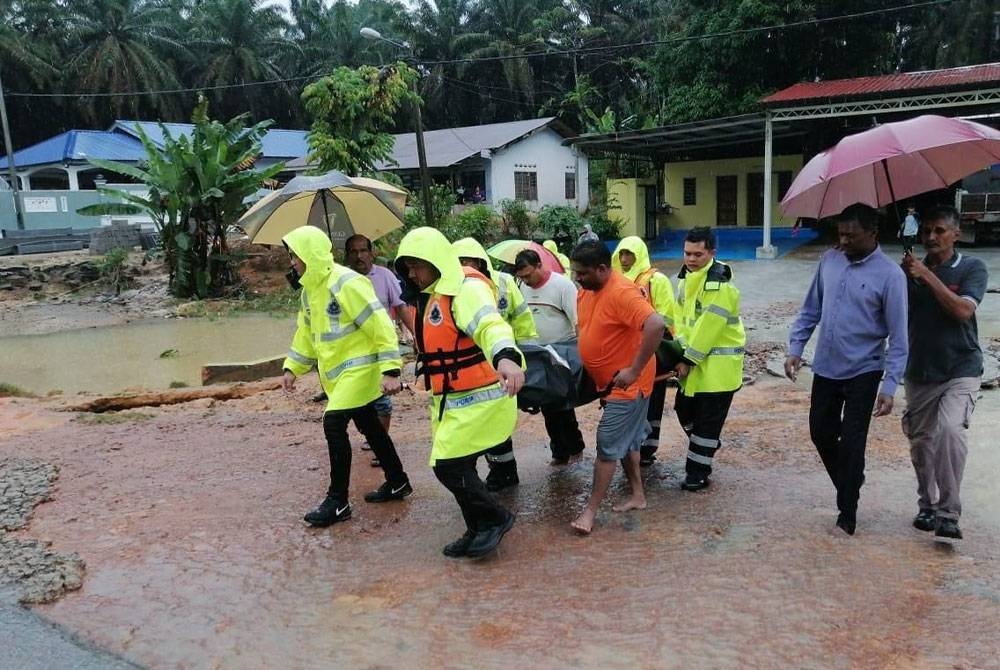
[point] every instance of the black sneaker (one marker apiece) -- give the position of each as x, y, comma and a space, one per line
329, 512
846, 522
500, 478
695, 483
487, 540
459, 547
948, 528
926, 520
319, 397
376, 463
389, 491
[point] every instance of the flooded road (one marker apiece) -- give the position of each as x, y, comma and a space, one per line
189, 520
107, 360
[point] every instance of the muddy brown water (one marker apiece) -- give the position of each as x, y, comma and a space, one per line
109, 359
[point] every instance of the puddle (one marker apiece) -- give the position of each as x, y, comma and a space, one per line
107, 360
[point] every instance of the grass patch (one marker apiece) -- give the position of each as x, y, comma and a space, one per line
178, 384
108, 418
14, 391
280, 303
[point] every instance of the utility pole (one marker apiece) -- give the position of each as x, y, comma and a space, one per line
11, 167
425, 181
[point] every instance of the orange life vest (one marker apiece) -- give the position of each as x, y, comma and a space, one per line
449, 359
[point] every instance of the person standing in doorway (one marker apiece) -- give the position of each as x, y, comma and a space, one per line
631, 258
345, 334
944, 369
551, 298
858, 298
619, 333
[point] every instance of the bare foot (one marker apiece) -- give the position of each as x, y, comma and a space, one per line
584, 523
632, 502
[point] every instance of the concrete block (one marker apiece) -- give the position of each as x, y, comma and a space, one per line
216, 373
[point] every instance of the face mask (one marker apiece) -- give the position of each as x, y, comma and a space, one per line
294, 278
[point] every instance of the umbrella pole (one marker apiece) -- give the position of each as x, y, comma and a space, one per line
892, 194
326, 215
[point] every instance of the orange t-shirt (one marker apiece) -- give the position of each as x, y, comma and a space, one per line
609, 322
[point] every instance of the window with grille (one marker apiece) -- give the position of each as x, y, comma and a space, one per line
526, 186
571, 186
690, 191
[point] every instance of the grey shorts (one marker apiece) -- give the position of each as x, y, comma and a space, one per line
622, 428
383, 406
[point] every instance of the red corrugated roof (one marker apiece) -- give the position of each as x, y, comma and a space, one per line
860, 87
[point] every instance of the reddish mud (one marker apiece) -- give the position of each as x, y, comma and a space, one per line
189, 520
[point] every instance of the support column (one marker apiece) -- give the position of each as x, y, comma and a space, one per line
72, 172
766, 250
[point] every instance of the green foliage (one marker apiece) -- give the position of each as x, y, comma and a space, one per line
178, 384
442, 200
560, 221
478, 221
606, 228
13, 391
515, 219
113, 268
351, 110
197, 184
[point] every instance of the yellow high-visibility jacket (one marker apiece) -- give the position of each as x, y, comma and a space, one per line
655, 285
471, 421
510, 300
710, 329
343, 330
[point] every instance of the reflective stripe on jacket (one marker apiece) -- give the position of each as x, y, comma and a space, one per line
710, 329
342, 328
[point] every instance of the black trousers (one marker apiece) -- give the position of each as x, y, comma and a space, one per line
564, 432
657, 399
366, 420
480, 508
702, 417
840, 412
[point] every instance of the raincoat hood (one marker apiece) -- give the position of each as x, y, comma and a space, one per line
551, 246
469, 247
638, 249
428, 244
313, 248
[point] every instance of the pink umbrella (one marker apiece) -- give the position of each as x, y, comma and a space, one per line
507, 251
891, 162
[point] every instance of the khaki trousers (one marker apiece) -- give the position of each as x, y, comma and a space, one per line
935, 421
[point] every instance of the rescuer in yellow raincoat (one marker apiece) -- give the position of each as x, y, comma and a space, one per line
346, 334
563, 258
473, 368
709, 327
515, 311
631, 258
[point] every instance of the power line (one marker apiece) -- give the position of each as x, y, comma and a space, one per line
537, 54
691, 38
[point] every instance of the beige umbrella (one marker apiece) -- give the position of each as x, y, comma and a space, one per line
338, 205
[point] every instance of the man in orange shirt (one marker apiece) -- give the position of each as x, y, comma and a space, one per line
618, 333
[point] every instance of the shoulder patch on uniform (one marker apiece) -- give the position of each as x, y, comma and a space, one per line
712, 286
434, 316
333, 309
502, 303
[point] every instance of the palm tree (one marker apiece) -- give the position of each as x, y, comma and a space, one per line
122, 46
240, 42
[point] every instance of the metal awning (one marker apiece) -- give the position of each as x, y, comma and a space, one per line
683, 138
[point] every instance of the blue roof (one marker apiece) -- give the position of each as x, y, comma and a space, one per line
277, 143
79, 146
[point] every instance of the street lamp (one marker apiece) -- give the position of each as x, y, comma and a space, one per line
372, 34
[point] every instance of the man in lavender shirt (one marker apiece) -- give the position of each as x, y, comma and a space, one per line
858, 296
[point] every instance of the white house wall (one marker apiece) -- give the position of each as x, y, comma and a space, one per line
544, 154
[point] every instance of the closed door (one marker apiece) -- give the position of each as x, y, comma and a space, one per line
725, 200
755, 199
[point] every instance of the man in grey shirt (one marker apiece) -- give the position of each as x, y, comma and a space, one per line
858, 298
944, 369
